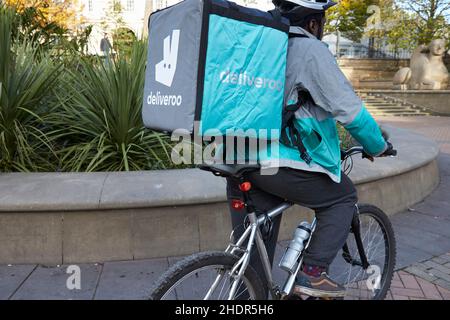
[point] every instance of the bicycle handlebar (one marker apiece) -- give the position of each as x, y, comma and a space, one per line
352, 151
358, 149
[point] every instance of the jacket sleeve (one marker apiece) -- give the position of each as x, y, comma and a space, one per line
331, 91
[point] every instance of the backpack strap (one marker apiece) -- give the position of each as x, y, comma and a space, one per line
290, 135
297, 32
297, 35
276, 14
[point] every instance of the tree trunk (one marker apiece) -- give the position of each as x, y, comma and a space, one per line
338, 44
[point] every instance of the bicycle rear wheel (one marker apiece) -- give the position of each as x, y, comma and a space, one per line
193, 277
378, 240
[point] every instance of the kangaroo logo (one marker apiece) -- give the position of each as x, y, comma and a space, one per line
165, 70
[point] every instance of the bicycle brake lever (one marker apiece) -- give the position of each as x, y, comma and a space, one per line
367, 156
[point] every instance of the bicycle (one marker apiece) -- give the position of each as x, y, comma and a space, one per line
366, 273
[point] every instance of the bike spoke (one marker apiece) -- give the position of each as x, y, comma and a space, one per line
196, 285
355, 277
221, 289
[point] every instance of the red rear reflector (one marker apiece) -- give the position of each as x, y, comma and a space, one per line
245, 186
237, 204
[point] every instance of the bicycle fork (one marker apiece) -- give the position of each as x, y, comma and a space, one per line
356, 229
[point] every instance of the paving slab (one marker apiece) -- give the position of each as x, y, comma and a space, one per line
413, 287
11, 277
421, 273
436, 206
444, 284
429, 242
50, 283
129, 280
407, 255
428, 223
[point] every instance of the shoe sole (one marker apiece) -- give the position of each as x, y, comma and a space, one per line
319, 293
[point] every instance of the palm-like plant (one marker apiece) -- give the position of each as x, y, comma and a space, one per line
27, 76
99, 118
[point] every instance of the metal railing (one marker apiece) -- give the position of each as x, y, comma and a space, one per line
362, 51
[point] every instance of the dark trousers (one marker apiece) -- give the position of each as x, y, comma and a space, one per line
334, 205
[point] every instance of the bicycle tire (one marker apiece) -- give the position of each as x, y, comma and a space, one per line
197, 261
390, 246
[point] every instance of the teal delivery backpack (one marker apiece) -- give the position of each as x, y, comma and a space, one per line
217, 64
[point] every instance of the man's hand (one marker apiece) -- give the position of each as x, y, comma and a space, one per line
389, 151
368, 156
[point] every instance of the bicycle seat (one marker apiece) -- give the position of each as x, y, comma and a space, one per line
230, 170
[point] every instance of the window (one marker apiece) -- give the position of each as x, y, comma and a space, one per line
130, 5
117, 6
159, 4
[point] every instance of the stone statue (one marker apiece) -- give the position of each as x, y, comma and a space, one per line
427, 70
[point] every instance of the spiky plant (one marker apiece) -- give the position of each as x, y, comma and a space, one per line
99, 117
27, 76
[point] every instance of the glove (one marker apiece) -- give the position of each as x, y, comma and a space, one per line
390, 151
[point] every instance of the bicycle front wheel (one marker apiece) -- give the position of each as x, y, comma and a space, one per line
378, 241
207, 275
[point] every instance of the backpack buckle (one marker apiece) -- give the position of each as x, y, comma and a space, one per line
306, 157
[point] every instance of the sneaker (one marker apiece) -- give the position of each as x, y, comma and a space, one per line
319, 287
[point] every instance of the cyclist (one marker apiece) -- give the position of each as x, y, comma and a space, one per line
309, 171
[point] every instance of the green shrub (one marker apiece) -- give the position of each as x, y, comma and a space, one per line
98, 118
346, 139
123, 40
27, 76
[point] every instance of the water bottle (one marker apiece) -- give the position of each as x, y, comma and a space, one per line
290, 258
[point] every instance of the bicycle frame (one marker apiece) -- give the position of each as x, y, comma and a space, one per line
253, 234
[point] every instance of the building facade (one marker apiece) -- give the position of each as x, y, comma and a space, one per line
107, 15
260, 4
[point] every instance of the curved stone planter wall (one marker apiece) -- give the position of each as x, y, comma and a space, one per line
55, 218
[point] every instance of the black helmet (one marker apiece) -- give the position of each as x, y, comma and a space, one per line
297, 10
